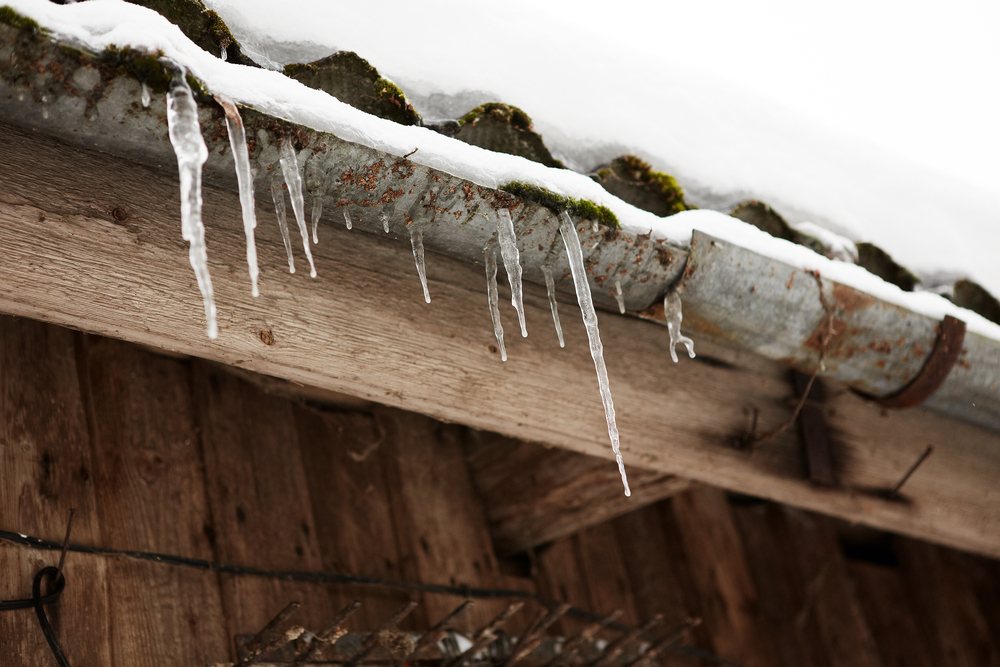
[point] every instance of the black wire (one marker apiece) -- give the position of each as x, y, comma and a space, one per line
336, 578
38, 601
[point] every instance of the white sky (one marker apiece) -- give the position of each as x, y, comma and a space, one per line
920, 79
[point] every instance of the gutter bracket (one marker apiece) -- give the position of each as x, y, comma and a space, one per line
939, 363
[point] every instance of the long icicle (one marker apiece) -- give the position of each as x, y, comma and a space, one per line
511, 263
290, 168
317, 214
550, 287
189, 146
672, 310
619, 297
575, 255
278, 195
417, 241
244, 176
491, 292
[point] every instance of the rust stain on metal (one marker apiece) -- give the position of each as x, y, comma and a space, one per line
850, 300
834, 346
943, 357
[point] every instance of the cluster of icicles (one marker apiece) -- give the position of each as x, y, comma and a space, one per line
189, 146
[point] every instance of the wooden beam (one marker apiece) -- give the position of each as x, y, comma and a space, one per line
362, 328
535, 494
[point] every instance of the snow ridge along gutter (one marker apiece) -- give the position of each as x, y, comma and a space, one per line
738, 285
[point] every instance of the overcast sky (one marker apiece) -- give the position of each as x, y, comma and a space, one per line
921, 79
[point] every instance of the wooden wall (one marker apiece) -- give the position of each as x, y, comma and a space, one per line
179, 456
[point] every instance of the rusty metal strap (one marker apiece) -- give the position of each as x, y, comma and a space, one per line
940, 362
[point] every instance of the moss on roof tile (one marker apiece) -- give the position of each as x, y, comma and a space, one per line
354, 81
505, 129
15, 20
879, 262
201, 25
632, 180
973, 296
764, 218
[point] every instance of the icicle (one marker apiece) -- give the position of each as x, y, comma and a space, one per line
317, 214
189, 146
45, 107
224, 56
146, 99
511, 263
550, 287
385, 223
278, 195
672, 310
491, 292
347, 219
244, 175
597, 227
619, 296
575, 255
417, 241
290, 167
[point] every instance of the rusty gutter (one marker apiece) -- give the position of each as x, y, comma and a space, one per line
730, 294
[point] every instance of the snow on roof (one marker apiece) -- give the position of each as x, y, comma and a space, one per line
710, 138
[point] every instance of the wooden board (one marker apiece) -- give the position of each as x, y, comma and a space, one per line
361, 328
721, 575
45, 470
150, 488
535, 494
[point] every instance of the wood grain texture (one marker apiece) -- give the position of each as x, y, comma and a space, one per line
362, 329
45, 470
535, 494
829, 593
259, 500
150, 488
718, 567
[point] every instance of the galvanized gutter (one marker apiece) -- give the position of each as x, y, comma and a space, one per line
730, 294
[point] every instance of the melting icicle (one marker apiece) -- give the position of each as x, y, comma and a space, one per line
512, 264
417, 241
290, 167
189, 146
278, 195
317, 214
672, 309
224, 56
244, 175
550, 287
45, 107
347, 219
146, 99
385, 223
619, 296
491, 292
575, 254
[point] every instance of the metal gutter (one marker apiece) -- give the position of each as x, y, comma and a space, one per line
730, 294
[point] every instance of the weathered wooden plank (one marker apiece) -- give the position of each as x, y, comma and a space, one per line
259, 499
440, 523
535, 494
717, 564
658, 571
603, 568
947, 607
362, 329
45, 470
891, 615
150, 487
828, 593
560, 578
351, 506
780, 587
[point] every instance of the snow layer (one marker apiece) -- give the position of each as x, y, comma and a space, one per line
948, 226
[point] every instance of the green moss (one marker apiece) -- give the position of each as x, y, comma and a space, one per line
218, 29
765, 218
352, 80
15, 20
632, 179
582, 208
143, 67
504, 113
